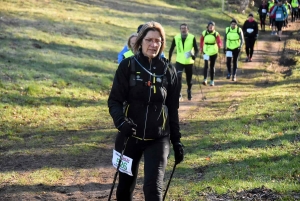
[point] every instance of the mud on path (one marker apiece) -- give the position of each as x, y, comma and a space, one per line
86, 185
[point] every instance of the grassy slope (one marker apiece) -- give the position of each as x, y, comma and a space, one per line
56, 67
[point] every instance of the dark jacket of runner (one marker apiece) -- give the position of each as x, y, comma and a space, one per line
248, 25
152, 103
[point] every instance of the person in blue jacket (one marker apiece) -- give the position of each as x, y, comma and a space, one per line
280, 14
125, 48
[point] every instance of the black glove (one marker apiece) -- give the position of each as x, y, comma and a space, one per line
128, 128
193, 57
178, 151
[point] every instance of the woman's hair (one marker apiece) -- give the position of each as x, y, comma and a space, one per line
130, 37
150, 26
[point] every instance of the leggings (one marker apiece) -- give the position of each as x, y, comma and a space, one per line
262, 20
188, 68
155, 162
250, 41
235, 55
212, 60
279, 25
294, 14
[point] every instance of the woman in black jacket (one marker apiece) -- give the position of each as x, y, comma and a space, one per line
262, 11
144, 103
250, 29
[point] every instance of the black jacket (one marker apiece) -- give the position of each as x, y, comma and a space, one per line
261, 7
250, 25
151, 103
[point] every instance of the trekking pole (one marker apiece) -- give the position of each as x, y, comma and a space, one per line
169, 181
118, 167
203, 97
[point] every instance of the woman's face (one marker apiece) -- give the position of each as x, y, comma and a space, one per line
132, 41
151, 44
233, 25
211, 27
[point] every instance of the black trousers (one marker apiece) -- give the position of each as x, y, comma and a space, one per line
212, 60
294, 14
234, 58
249, 47
262, 20
155, 161
188, 68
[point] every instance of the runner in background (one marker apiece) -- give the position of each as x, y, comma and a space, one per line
270, 5
210, 43
130, 44
186, 52
272, 17
288, 8
280, 14
125, 48
233, 42
250, 30
262, 11
295, 9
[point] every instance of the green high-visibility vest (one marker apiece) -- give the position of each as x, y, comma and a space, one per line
294, 3
127, 54
287, 8
188, 46
271, 4
233, 38
210, 43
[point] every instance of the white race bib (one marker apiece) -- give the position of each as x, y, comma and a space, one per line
126, 163
264, 10
188, 54
278, 15
250, 30
205, 57
228, 53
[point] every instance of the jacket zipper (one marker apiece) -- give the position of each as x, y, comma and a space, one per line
146, 116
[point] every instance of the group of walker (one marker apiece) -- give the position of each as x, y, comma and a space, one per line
278, 12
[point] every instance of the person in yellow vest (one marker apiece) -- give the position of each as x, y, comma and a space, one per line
210, 43
233, 42
288, 8
295, 9
130, 44
185, 44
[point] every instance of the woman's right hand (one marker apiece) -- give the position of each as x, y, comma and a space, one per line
128, 128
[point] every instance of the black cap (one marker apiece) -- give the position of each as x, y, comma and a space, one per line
211, 23
139, 28
233, 21
250, 15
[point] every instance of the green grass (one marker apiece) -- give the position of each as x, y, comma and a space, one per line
57, 62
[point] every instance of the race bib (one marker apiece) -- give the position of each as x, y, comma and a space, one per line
126, 163
228, 53
278, 15
188, 54
206, 57
264, 10
250, 30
